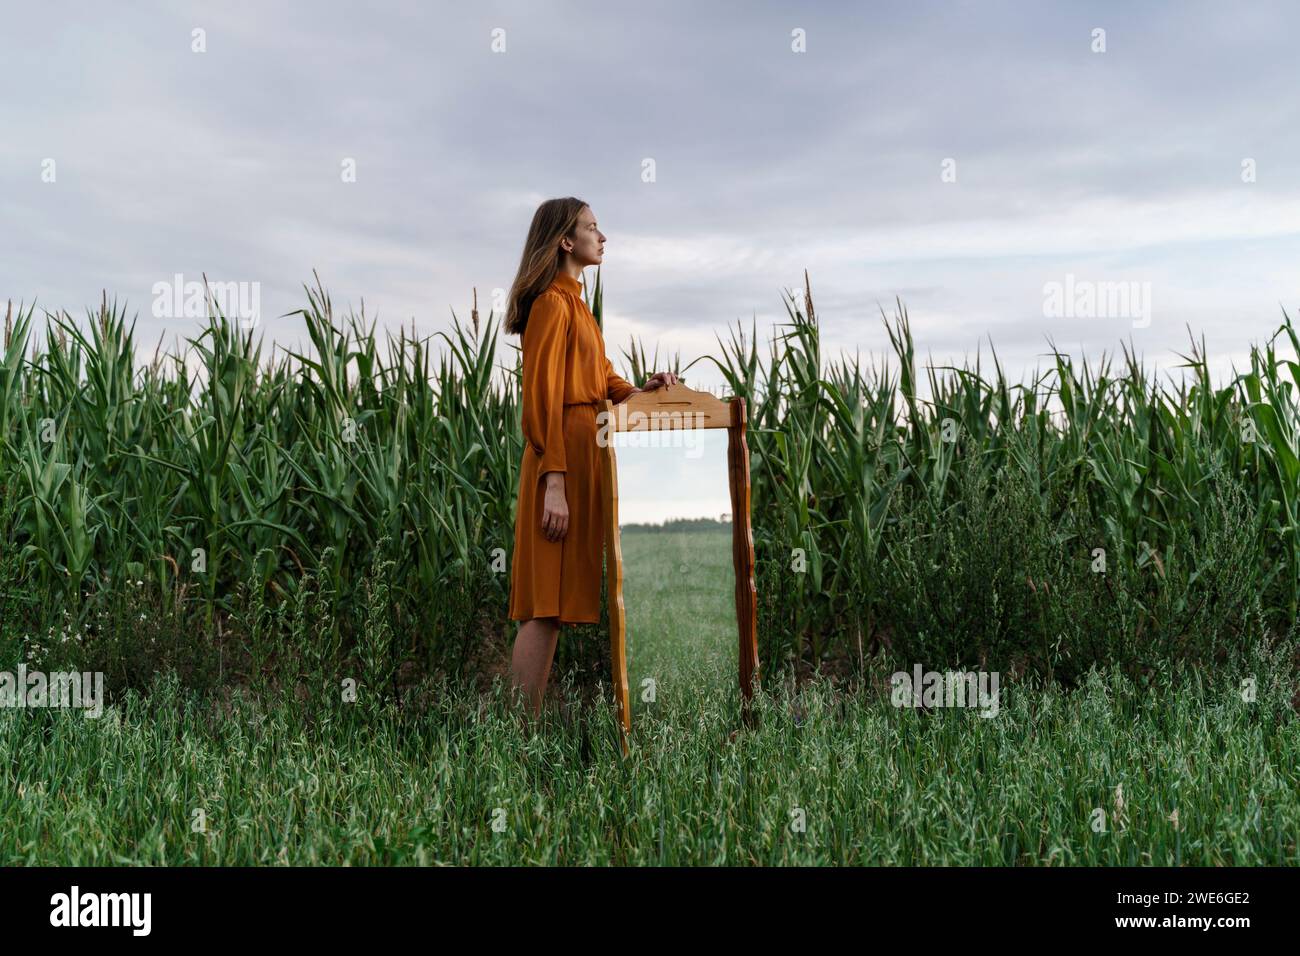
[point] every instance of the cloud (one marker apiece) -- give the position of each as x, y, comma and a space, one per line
1122, 165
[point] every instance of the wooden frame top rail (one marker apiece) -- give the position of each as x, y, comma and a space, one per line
672, 407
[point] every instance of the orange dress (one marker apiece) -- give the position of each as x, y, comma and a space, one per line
566, 376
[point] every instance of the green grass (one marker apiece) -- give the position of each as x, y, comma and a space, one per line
681, 616
324, 782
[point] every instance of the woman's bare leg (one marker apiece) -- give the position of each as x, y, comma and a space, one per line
530, 663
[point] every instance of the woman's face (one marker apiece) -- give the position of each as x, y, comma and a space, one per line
588, 241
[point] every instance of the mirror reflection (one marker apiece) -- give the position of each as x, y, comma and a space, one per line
678, 577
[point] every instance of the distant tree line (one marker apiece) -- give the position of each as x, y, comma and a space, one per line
722, 522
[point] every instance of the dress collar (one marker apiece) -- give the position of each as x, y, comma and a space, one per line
566, 283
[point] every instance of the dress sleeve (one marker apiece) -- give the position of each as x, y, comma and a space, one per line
545, 342
616, 388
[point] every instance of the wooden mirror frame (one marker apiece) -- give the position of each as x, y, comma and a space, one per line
677, 407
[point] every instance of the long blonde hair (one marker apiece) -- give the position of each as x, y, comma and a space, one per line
554, 219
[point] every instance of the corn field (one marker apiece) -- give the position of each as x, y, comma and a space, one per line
231, 516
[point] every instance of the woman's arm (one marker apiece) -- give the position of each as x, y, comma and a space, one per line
545, 344
617, 388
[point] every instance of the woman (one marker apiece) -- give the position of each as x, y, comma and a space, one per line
559, 535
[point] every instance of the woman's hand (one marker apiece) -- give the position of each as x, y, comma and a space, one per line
555, 507
659, 380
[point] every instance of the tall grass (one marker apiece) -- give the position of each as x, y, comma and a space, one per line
354, 504
967, 523
235, 485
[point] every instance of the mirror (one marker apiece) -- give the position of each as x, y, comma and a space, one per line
666, 436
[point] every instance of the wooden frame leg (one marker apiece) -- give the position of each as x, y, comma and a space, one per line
614, 579
742, 551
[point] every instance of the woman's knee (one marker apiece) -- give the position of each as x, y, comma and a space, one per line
542, 623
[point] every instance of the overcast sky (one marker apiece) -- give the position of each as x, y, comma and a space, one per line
962, 156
